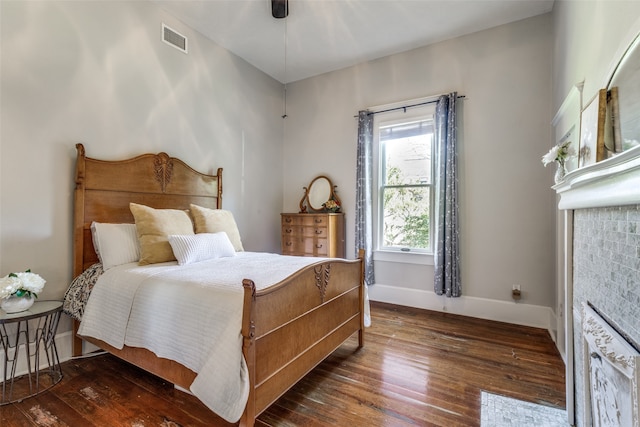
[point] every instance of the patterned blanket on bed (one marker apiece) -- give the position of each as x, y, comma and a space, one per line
76, 297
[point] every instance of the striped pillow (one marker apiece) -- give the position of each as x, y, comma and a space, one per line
200, 247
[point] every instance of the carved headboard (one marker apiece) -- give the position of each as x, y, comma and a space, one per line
104, 190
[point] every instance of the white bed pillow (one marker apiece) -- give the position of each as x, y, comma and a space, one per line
201, 247
115, 244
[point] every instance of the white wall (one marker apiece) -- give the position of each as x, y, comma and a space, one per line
507, 224
98, 73
589, 39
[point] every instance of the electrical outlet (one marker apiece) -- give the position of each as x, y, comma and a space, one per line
516, 294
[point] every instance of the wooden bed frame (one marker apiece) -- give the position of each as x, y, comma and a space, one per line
287, 329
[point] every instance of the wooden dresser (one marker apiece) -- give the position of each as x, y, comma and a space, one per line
313, 234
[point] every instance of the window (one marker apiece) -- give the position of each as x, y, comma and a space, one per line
404, 142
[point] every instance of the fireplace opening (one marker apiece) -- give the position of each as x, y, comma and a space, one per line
610, 372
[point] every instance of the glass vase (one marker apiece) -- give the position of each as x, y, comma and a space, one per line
561, 171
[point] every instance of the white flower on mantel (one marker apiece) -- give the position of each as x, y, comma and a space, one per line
23, 284
559, 153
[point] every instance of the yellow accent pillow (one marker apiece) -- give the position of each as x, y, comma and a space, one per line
153, 227
215, 220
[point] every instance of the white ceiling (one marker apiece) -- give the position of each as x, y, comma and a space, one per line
327, 35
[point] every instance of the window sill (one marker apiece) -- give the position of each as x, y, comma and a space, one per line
403, 257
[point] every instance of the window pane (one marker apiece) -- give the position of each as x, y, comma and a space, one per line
406, 217
407, 160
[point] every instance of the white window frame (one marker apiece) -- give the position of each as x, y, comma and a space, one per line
400, 115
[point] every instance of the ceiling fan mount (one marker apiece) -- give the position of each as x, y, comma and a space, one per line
280, 8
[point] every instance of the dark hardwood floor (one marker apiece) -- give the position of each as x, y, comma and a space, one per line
418, 368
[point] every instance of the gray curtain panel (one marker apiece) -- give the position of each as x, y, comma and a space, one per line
364, 197
364, 192
447, 234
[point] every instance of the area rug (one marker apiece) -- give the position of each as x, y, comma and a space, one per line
500, 411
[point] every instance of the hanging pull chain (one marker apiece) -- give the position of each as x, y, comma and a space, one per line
284, 115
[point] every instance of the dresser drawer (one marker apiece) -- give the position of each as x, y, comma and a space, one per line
291, 230
307, 220
316, 247
305, 247
320, 232
288, 220
314, 221
292, 246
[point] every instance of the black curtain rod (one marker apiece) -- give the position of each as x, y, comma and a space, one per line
407, 106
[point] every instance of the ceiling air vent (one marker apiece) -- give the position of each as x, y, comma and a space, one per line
174, 38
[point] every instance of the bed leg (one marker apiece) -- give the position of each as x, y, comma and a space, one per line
246, 421
76, 349
248, 418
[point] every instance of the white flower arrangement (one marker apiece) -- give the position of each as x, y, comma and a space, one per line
559, 153
24, 284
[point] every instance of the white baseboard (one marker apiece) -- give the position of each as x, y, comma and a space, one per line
64, 342
483, 308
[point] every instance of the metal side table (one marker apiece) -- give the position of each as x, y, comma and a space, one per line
24, 332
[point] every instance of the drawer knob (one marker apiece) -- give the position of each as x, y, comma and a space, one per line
287, 219
319, 245
318, 231
318, 220
289, 243
287, 230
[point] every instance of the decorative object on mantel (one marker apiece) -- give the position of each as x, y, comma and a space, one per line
320, 196
19, 290
592, 130
559, 154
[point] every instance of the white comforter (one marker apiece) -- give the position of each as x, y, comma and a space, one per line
191, 314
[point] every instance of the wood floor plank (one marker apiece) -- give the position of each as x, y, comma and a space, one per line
418, 368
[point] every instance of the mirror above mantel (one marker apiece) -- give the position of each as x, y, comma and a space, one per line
624, 93
614, 181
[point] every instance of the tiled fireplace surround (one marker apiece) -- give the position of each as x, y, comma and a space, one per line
606, 273
601, 208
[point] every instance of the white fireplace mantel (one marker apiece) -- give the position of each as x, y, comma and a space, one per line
611, 182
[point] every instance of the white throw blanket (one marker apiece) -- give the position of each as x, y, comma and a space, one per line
191, 314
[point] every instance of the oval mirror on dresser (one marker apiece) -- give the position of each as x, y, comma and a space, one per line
320, 191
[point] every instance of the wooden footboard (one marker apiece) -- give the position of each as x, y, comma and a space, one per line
290, 328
